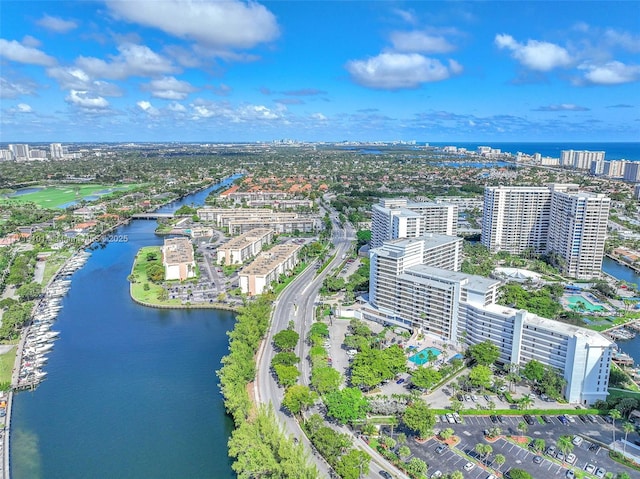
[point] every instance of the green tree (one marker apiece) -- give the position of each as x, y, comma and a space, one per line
565, 444
353, 464
519, 474
419, 418
627, 427
425, 377
499, 459
29, 291
533, 371
347, 405
615, 414
523, 427
484, 353
416, 467
298, 398
480, 376
286, 358
456, 475
526, 401
155, 272
539, 445
287, 375
404, 451
446, 433
325, 379
286, 340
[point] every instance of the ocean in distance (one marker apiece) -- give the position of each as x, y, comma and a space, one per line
614, 150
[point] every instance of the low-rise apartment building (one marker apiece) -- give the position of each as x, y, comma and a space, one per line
241, 248
177, 259
242, 220
257, 276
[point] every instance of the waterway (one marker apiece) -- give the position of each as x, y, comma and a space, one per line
609, 266
131, 392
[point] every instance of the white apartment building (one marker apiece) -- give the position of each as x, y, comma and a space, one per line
580, 159
513, 218
556, 219
398, 218
577, 232
239, 249
614, 168
20, 152
457, 307
636, 192
177, 259
56, 150
395, 256
257, 276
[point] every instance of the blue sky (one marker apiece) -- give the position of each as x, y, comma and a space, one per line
178, 70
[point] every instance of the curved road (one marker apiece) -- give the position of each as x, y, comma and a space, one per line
297, 303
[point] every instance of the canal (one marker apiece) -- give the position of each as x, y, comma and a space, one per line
131, 392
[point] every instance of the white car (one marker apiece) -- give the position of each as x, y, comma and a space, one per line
577, 440
571, 458
590, 468
436, 475
468, 466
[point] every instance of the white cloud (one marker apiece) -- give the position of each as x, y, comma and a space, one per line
133, 60
84, 99
29, 41
73, 78
228, 24
611, 73
57, 24
13, 89
170, 88
623, 39
405, 15
24, 108
562, 107
244, 113
177, 107
15, 51
420, 42
148, 108
400, 70
541, 56
319, 116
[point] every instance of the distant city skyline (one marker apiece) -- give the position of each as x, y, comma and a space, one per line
230, 71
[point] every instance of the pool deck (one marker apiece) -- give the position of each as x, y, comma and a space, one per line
588, 299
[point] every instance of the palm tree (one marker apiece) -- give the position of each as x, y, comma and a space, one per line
627, 427
522, 427
527, 401
494, 431
565, 445
615, 414
500, 459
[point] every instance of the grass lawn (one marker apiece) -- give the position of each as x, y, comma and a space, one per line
56, 196
53, 264
139, 272
6, 365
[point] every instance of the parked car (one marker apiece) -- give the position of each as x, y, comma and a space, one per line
487, 398
571, 458
577, 440
457, 418
592, 418
537, 459
546, 419
436, 475
529, 419
441, 448
590, 468
468, 466
385, 474
570, 474
551, 450
563, 420
600, 472
474, 398
501, 419
494, 418
450, 418
400, 381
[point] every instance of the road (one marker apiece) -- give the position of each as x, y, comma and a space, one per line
297, 303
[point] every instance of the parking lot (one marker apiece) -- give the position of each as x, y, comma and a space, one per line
470, 432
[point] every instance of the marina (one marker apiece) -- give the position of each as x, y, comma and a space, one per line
38, 339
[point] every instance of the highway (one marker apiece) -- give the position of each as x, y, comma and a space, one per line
297, 303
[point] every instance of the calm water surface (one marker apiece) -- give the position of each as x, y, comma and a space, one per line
131, 392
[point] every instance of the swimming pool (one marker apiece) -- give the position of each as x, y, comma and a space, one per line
422, 357
587, 305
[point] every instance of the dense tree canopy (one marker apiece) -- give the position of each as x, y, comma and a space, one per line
347, 405
425, 377
286, 340
419, 418
484, 353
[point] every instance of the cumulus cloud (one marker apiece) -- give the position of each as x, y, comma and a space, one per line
24, 108
74, 78
394, 71
319, 116
132, 60
86, 100
177, 107
228, 24
611, 73
405, 15
17, 52
203, 109
420, 42
148, 108
536, 55
56, 24
170, 88
562, 107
